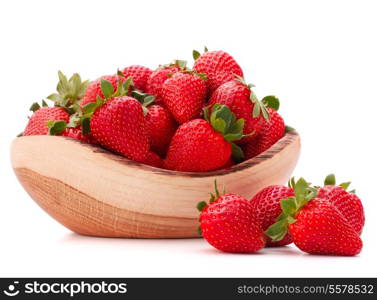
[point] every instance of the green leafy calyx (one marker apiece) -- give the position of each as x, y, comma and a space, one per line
224, 121
260, 107
331, 180
216, 194
290, 207
69, 91
56, 127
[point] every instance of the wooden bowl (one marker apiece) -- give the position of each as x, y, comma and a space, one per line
94, 192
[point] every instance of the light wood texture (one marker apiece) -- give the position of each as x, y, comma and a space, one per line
94, 192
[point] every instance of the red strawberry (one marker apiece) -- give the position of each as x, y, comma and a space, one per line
117, 122
140, 76
38, 122
219, 67
160, 127
321, 229
316, 225
154, 160
94, 89
241, 100
266, 207
69, 91
200, 146
227, 223
158, 77
272, 130
76, 133
347, 203
230, 163
184, 95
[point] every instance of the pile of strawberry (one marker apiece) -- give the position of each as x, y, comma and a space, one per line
324, 220
193, 120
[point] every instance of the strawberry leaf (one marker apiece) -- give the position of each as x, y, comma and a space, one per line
34, 107
278, 230
107, 88
237, 153
289, 129
195, 54
271, 102
201, 205
56, 127
85, 125
330, 180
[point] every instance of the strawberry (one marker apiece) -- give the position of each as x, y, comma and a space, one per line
161, 127
94, 89
266, 207
117, 122
69, 91
229, 164
346, 202
39, 122
184, 95
239, 97
140, 76
158, 77
321, 229
200, 145
272, 130
76, 133
153, 160
315, 224
227, 223
219, 67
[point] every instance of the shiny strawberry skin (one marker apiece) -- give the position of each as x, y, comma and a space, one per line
37, 124
157, 78
184, 95
347, 203
154, 160
160, 127
119, 125
271, 131
94, 88
228, 225
197, 147
219, 67
266, 208
320, 228
140, 76
236, 96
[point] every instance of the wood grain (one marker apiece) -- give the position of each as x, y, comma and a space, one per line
94, 192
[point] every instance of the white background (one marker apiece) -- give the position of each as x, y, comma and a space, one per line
319, 57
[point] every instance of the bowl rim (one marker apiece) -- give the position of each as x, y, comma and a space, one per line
282, 143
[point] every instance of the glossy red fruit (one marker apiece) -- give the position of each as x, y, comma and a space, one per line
197, 147
154, 160
347, 203
119, 125
241, 101
200, 146
94, 89
266, 208
184, 95
37, 124
140, 76
271, 131
321, 229
219, 67
158, 77
228, 224
160, 127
